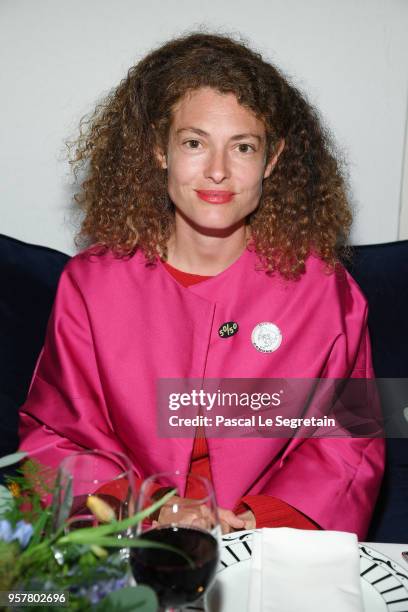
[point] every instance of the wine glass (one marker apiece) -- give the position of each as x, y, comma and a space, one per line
189, 525
93, 487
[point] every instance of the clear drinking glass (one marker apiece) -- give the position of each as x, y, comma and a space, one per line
189, 525
105, 476
94, 488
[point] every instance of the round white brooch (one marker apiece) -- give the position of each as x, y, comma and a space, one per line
266, 337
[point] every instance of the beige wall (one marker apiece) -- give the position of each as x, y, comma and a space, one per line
58, 57
403, 224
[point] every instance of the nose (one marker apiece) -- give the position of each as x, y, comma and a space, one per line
217, 168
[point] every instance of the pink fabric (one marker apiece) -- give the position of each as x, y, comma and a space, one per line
119, 325
268, 511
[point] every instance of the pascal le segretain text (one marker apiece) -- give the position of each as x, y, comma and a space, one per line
255, 420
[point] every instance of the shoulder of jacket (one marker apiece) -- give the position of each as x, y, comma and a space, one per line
338, 279
94, 262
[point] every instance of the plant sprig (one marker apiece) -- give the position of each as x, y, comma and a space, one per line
64, 559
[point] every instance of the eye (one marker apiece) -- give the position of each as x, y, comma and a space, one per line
244, 147
192, 144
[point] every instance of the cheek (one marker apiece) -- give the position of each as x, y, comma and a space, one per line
181, 172
251, 179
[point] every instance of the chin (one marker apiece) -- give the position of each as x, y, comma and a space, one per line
213, 219
217, 227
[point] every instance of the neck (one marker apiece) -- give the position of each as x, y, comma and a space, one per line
205, 252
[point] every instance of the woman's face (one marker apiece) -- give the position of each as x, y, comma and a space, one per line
215, 160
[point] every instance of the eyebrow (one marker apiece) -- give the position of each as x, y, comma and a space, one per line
235, 137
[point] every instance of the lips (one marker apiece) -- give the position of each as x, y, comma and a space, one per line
215, 196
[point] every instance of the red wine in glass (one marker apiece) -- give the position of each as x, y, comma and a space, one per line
190, 525
176, 581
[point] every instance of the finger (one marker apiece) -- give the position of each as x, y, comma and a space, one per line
201, 523
249, 519
233, 520
189, 519
249, 524
225, 527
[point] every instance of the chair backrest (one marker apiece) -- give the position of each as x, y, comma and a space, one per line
381, 270
28, 280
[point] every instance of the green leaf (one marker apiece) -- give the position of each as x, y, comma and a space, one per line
118, 526
11, 459
130, 599
6, 500
61, 510
98, 551
38, 527
106, 541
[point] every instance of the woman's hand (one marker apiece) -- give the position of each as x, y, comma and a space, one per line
196, 515
184, 511
249, 519
229, 521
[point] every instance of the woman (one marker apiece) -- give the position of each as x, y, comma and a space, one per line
211, 195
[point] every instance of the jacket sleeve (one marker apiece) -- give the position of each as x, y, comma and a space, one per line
272, 512
340, 477
65, 410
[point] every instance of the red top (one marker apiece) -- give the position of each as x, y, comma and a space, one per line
268, 511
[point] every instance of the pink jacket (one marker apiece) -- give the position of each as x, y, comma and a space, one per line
118, 325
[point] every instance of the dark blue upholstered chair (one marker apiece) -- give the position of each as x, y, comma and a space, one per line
28, 280
381, 270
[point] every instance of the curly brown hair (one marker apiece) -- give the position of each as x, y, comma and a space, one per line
304, 205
